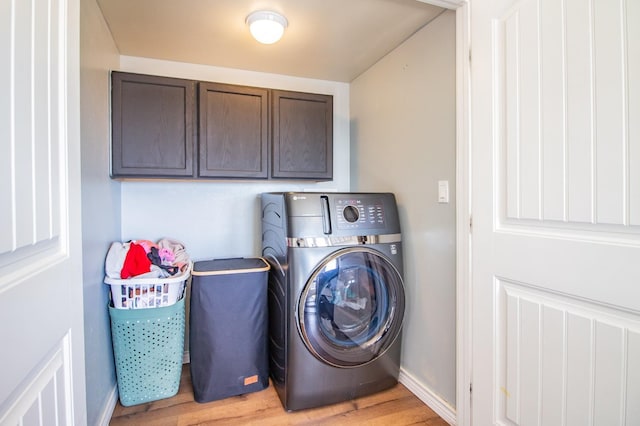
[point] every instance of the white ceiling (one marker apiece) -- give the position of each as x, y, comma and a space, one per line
326, 39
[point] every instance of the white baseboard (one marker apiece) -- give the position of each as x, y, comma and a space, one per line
437, 404
109, 406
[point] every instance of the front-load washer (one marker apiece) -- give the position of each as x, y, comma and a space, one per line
336, 295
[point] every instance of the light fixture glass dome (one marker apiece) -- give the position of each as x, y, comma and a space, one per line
266, 27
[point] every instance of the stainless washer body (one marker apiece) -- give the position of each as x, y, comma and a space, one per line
336, 296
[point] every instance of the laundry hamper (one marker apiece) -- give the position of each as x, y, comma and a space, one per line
141, 293
148, 345
228, 328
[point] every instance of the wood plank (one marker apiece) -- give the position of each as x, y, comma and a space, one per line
395, 406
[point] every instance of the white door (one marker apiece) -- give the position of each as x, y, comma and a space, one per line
41, 330
556, 212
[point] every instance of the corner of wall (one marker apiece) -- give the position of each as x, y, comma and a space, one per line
100, 206
404, 108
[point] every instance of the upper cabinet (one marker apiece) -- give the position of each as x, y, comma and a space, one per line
162, 127
153, 126
302, 135
233, 131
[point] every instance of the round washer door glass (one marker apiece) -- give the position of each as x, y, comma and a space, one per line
352, 307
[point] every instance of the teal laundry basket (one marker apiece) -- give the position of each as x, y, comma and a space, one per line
147, 346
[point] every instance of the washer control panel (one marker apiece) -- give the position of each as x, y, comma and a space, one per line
355, 213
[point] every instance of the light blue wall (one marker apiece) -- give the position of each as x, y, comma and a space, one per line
222, 218
213, 218
100, 204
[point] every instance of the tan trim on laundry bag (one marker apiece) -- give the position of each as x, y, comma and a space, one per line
233, 271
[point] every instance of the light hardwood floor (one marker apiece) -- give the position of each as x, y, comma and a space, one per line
396, 406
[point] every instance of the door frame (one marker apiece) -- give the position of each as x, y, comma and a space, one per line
463, 216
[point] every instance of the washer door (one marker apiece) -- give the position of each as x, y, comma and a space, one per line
352, 307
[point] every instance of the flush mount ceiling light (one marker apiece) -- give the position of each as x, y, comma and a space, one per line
266, 27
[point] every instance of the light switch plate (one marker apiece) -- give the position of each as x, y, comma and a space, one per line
443, 191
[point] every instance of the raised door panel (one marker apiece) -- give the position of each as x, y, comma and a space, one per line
569, 139
233, 131
302, 135
153, 131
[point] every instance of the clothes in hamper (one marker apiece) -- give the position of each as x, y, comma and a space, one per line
115, 259
181, 256
161, 262
136, 262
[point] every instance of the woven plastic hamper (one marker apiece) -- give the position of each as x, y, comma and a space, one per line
148, 345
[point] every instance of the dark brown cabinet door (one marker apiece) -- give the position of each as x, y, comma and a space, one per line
233, 131
302, 135
153, 126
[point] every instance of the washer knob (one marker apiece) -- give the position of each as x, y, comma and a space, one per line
351, 214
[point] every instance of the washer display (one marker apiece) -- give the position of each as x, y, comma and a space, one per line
336, 296
357, 213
